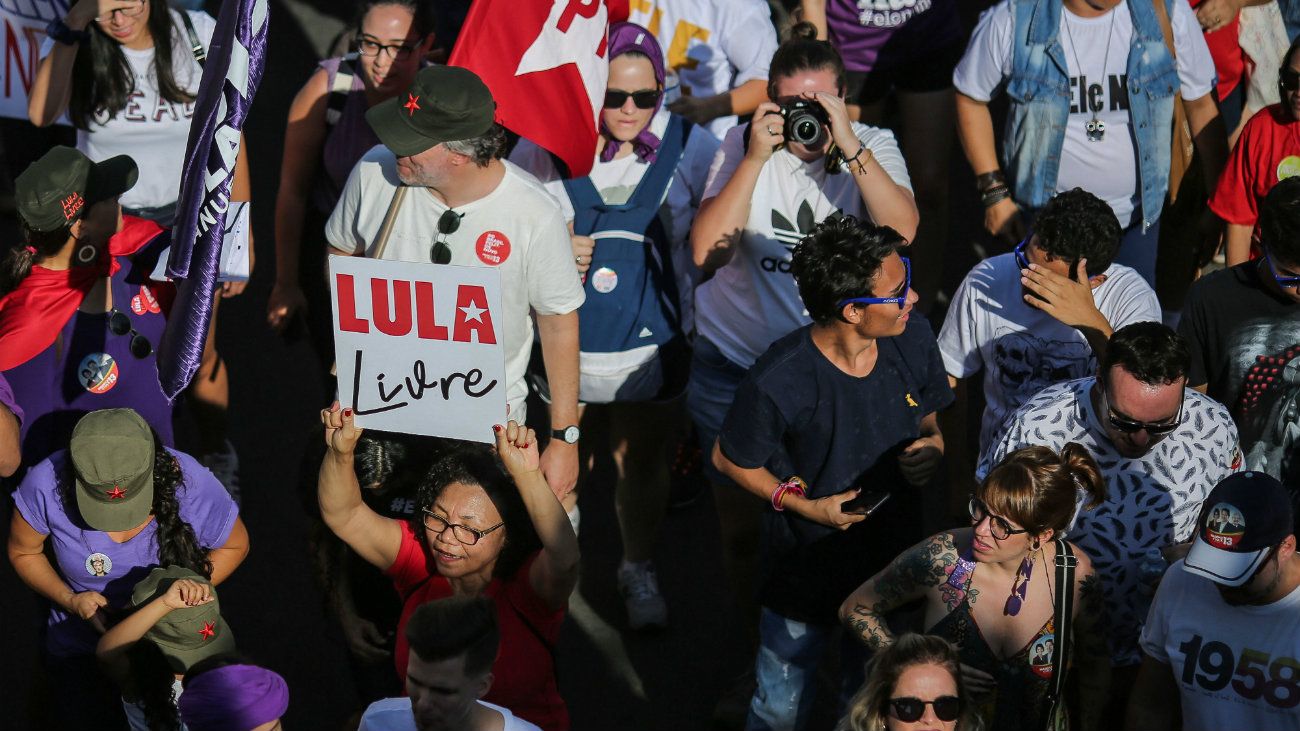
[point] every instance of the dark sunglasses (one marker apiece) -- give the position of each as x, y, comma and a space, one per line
120, 324
448, 223
909, 710
1288, 79
644, 99
1155, 429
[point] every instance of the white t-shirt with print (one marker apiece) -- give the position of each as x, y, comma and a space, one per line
753, 300
1107, 168
517, 228
1020, 348
1152, 500
617, 180
395, 714
1236, 667
152, 130
713, 45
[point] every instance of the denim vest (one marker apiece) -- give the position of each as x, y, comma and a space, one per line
1039, 93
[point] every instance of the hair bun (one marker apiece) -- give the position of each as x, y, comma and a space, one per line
803, 31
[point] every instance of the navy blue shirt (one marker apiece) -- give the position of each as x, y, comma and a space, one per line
796, 413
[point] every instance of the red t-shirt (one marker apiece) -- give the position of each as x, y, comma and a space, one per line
1229, 59
524, 671
1267, 152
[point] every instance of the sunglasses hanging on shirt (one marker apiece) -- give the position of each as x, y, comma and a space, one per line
120, 324
448, 224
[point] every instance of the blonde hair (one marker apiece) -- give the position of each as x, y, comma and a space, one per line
869, 707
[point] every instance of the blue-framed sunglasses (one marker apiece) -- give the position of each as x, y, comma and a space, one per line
1285, 282
1022, 261
900, 300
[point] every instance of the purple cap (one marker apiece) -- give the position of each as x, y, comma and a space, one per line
233, 698
1245, 515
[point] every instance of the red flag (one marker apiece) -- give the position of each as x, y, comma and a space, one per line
544, 61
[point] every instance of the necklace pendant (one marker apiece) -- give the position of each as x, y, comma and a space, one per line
1096, 130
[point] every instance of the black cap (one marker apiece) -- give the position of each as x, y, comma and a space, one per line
442, 104
1245, 515
56, 190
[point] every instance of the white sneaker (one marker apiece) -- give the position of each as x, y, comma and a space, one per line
225, 466
640, 589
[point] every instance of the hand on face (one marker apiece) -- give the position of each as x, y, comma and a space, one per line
1068, 300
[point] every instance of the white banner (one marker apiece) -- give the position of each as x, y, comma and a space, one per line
418, 346
24, 32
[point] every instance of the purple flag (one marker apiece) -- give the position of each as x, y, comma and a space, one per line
231, 74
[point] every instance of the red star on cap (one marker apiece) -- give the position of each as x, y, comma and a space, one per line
207, 631
412, 104
117, 493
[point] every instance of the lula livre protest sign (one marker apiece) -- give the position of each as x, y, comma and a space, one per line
418, 346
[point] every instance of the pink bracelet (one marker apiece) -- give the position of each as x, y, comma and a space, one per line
792, 484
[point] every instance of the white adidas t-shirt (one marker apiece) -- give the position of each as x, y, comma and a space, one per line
1235, 667
753, 300
617, 180
152, 130
1020, 348
394, 714
517, 227
1107, 168
712, 45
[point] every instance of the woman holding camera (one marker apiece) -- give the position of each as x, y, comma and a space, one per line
766, 191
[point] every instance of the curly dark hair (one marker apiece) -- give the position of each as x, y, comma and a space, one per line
1150, 352
177, 543
102, 78
839, 259
477, 464
1078, 225
1279, 223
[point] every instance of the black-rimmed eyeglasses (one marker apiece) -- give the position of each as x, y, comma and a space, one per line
448, 224
120, 324
372, 48
998, 526
466, 535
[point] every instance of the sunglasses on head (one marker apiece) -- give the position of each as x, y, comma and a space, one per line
644, 99
448, 223
120, 324
909, 710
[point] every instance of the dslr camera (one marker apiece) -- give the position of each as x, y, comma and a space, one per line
805, 122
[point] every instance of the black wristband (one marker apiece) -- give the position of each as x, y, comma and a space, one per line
994, 195
989, 180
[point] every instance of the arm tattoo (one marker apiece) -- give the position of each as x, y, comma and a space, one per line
923, 567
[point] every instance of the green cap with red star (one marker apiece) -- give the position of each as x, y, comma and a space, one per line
442, 104
112, 453
187, 635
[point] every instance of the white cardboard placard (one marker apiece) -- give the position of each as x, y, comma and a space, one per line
418, 346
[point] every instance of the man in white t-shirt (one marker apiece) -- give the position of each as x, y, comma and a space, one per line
460, 204
1222, 639
1161, 447
719, 51
454, 644
1090, 82
1051, 328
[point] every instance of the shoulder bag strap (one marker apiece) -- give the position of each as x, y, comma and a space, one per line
1062, 613
1182, 151
196, 46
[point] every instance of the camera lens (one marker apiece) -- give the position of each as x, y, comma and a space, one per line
805, 129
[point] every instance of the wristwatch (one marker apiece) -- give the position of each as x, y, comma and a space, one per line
569, 434
59, 31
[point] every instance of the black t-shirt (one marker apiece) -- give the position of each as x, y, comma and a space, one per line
1245, 343
796, 413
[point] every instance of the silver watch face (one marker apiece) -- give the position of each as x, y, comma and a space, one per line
571, 434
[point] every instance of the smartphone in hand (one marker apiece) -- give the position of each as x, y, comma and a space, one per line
866, 503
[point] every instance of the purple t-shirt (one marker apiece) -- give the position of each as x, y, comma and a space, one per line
869, 34
88, 560
7, 399
92, 369
348, 140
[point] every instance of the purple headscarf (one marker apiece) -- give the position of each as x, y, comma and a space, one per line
624, 37
233, 698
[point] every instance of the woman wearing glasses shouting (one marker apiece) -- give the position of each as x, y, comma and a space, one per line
484, 525
990, 589
327, 132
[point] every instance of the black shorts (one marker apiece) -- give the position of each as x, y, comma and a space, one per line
931, 73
